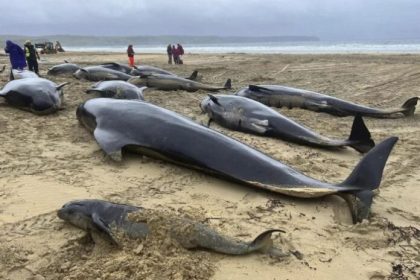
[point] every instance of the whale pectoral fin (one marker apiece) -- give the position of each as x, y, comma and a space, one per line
315, 106
109, 143
258, 126
260, 122
258, 129
102, 227
111, 76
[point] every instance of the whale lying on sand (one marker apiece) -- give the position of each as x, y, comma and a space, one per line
159, 133
117, 89
281, 96
107, 218
38, 95
63, 69
170, 82
99, 73
244, 114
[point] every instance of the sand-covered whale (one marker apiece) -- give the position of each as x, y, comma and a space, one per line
109, 218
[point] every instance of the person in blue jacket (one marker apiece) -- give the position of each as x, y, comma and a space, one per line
16, 55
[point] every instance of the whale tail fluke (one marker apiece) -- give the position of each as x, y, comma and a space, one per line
366, 177
360, 137
263, 243
409, 106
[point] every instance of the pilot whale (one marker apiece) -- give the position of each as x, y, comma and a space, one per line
160, 133
281, 96
244, 114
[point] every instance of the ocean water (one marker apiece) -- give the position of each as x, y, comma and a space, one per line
405, 47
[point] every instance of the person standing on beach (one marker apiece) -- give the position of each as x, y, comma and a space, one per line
169, 52
130, 53
16, 56
180, 53
175, 54
32, 57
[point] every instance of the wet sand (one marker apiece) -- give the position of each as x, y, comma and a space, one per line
48, 160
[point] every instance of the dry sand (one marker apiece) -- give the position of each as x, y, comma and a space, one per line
48, 160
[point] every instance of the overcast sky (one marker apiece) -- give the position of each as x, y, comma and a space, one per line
327, 19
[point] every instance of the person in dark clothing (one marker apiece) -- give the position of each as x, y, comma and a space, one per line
32, 57
180, 53
130, 53
169, 52
175, 54
16, 55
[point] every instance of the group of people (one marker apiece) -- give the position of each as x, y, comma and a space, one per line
175, 52
20, 58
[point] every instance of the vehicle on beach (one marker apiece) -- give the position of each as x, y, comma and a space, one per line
49, 47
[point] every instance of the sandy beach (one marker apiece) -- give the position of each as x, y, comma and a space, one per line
47, 161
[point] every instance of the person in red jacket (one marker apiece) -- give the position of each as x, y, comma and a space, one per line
130, 53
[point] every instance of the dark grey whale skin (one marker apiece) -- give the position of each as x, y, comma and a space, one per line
63, 69
170, 82
163, 134
99, 73
118, 67
105, 217
282, 96
117, 89
37, 95
244, 114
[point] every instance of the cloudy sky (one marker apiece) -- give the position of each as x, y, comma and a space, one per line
327, 19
